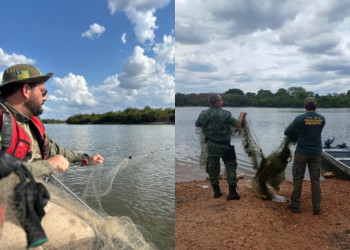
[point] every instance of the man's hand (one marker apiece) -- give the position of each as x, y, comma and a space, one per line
58, 162
243, 114
96, 159
240, 119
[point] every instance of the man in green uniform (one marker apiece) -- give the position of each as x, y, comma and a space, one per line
307, 128
22, 94
217, 124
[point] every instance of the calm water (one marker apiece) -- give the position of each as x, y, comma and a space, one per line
144, 190
268, 125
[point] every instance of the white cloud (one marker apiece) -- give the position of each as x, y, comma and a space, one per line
47, 109
121, 98
139, 71
145, 24
72, 90
144, 80
141, 15
7, 60
165, 52
112, 80
123, 38
95, 31
54, 98
121, 5
250, 45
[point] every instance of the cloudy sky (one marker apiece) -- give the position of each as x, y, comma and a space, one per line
106, 55
270, 44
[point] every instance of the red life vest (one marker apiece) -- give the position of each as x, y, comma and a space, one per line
15, 139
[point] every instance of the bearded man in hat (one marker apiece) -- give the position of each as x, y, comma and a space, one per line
307, 129
22, 134
216, 124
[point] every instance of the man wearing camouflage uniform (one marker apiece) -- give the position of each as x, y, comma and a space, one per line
22, 94
307, 128
217, 124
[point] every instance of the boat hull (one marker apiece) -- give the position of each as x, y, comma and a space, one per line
337, 160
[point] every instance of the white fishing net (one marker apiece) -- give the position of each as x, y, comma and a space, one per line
69, 222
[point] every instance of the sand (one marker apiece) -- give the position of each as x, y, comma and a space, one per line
202, 222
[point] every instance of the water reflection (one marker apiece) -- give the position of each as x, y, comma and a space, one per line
144, 190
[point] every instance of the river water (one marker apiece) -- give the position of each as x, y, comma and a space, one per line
144, 190
268, 125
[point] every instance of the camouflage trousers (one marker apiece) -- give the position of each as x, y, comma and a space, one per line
299, 167
216, 151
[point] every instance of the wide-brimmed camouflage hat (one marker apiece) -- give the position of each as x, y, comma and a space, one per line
23, 73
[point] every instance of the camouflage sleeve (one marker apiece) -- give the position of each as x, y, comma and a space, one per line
231, 120
199, 120
39, 168
53, 149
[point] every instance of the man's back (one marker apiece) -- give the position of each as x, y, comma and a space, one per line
308, 127
216, 124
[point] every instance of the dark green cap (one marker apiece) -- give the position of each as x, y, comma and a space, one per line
310, 99
23, 73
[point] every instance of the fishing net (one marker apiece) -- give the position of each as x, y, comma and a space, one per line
69, 223
269, 170
203, 145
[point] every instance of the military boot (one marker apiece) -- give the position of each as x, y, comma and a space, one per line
217, 191
233, 195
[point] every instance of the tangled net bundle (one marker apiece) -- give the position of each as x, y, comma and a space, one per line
270, 170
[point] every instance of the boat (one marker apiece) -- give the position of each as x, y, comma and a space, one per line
336, 159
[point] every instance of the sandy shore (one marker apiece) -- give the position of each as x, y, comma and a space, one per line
251, 223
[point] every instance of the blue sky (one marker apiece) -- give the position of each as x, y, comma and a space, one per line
106, 55
255, 44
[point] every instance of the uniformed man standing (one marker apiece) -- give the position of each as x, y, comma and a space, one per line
307, 128
217, 124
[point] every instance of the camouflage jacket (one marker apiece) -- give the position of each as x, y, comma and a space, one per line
216, 124
37, 165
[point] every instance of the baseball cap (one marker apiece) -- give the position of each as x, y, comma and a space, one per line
310, 99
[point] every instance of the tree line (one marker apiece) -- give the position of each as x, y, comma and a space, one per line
284, 98
128, 116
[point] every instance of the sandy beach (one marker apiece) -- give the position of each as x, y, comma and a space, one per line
251, 223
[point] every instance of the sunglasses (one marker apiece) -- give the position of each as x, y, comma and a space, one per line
44, 92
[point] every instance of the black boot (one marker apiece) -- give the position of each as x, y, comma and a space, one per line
233, 195
217, 191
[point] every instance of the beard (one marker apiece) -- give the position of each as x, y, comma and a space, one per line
34, 106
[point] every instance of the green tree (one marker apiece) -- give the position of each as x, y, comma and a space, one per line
234, 92
262, 93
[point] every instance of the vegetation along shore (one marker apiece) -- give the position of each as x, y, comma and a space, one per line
146, 115
283, 98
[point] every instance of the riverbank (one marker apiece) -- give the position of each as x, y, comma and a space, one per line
251, 223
